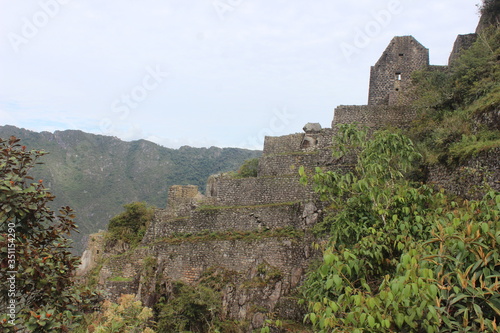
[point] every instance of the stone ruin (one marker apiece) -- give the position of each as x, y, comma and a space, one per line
271, 202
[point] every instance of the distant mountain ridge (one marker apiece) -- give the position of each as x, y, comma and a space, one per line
96, 175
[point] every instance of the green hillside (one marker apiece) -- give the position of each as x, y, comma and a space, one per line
96, 175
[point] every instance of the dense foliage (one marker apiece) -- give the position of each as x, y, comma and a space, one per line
490, 11
39, 292
400, 256
190, 308
130, 225
451, 103
198, 307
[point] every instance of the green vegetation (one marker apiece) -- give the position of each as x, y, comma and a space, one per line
190, 308
452, 102
127, 316
120, 279
148, 266
490, 11
198, 307
276, 204
35, 250
96, 175
248, 169
130, 225
401, 257
266, 275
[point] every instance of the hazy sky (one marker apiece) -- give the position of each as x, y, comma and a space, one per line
203, 72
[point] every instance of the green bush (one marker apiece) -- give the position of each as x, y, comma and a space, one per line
401, 257
248, 169
130, 225
189, 308
450, 101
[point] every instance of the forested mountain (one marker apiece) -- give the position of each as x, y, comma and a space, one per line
96, 175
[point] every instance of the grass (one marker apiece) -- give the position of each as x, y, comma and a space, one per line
473, 145
279, 204
288, 232
297, 153
120, 279
456, 105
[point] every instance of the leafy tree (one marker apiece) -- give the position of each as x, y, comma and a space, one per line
130, 225
400, 256
39, 293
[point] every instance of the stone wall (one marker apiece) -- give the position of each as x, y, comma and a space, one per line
282, 144
259, 191
92, 253
489, 117
276, 165
265, 272
178, 260
466, 179
222, 219
375, 117
181, 198
390, 77
298, 142
463, 42
285, 154
120, 273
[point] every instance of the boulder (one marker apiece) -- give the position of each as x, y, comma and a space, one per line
312, 127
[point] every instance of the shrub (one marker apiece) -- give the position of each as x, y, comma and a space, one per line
401, 257
189, 308
127, 316
130, 225
249, 168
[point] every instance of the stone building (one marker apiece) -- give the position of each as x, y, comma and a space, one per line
390, 77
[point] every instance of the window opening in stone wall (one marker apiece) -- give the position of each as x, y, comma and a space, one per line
401, 54
398, 76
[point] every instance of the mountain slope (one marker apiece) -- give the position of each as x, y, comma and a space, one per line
96, 175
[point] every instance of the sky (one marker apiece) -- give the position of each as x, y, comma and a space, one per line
203, 73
